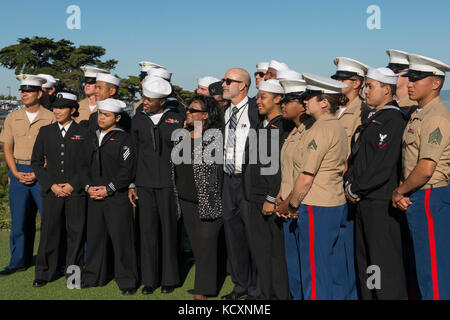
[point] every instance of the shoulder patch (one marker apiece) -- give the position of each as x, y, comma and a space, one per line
312, 145
435, 137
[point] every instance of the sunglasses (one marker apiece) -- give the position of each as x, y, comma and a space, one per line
190, 110
228, 81
260, 74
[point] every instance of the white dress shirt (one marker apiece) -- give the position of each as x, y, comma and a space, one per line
66, 128
242, 130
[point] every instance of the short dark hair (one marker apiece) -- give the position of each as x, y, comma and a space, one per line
393, 87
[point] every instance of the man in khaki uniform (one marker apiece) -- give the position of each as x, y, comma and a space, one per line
350, 116
425, 192
399, 63
18, 136
352, 73
88, 105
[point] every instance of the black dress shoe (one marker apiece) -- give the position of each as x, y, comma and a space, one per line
129, 292
167, 289
39, 283
235, 296
148, 290
8, 271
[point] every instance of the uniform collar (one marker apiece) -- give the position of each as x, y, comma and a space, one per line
429, 107
327, 117
42, 114
353, 106
66, 127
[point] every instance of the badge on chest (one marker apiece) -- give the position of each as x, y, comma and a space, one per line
381, 143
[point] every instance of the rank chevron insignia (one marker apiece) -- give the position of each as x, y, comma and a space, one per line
435, 137
312, 145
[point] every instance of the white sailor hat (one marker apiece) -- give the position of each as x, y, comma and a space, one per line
206, 81
262, 66
91, 72
291, 86
51, 81
398, 60
383, 75
156, 88
289, 75
65, 99
347, 68
319, 84
29, 82
421, 67
109, 78
278, 65
160, 73
111, 105
272, 86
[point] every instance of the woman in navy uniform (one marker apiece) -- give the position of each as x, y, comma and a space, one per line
317, 199
55, 160
266, 229
108, 170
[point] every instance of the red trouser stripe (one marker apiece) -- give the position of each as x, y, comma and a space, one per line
311, 253
431, 238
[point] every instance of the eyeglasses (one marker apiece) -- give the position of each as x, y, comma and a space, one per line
260, 74
190, 110
228, 81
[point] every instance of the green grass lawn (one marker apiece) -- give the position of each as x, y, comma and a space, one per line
19, 285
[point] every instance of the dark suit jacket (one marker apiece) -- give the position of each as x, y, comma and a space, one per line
255, 119
56, 159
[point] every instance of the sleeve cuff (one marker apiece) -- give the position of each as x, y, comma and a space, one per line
271, 199
354, 196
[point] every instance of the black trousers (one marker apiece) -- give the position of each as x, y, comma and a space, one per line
267, 237
204, 238
111, 217
62, 218
378, 241
159, 237
236, 220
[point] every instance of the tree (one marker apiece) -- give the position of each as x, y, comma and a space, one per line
128, 90
60, 58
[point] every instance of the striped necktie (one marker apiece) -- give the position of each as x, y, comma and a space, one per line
231, 143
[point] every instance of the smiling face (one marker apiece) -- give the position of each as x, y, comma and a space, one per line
267, 102
63, 115
153, 105
30, 98
195, 113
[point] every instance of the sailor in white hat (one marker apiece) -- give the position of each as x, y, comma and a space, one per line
18, 136
204, 83
289, 75
318, 193
153, 128
374, 171
261, 70
424, 192
274, 67
399, 63
88, 105
110, 168
264, 225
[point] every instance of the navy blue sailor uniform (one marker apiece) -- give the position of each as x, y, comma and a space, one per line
157, 217
55, 160
112, 164
266, 232
374, 172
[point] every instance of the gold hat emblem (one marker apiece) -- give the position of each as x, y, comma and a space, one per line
24, 77
337, 60
84, 69
144, 64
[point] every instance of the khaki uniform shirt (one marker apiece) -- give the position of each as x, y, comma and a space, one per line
84, 110
137, 105
21, 134
350, 119
291, 158
427, 136
406, 102
324, 154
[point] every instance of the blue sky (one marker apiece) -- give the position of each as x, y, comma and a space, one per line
198, 38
